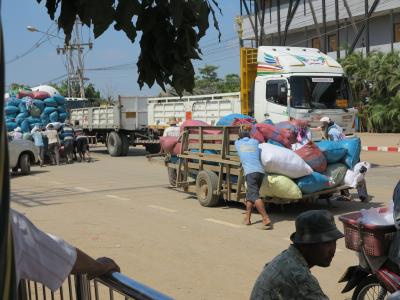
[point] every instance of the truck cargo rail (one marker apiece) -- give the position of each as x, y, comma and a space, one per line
79, 287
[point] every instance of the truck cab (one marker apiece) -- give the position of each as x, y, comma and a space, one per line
302, 83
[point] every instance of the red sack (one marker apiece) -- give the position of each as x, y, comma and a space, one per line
193, 123
40, 95
177, 149
269, 132
23, 93
311, 154
196, 131
239, 121
168, 143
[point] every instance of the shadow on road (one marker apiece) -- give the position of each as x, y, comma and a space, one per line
32, 173
132, 152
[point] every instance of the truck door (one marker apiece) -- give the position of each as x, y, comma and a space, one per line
276, 97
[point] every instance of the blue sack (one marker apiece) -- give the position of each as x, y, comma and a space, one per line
62, 117
33, 120
25, 126
39, 104
59, 99
45, 118
353, 146
49, 110
333, 151
22, 106
21, 117
53, 117
228, 120
11, 126
50, 102
11, 110
13, 102
61, 109
313, 183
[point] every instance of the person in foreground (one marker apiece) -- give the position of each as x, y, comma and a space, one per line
49, 260
288, 275
249, 155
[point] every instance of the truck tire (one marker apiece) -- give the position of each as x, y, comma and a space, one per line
25, 164
125, 144
206, 186
114, 144
153, 148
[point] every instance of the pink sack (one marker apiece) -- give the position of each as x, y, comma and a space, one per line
168, 143
239, 121
311, 154
177, 149
40, 95
193, 123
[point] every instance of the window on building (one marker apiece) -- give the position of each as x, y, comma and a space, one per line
397, 32
332, 43
316, 43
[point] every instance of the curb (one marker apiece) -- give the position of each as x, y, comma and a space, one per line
381, 148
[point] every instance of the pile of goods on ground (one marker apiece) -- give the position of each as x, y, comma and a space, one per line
294, 166
27, 108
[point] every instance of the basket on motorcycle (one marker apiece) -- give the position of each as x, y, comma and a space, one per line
375, 238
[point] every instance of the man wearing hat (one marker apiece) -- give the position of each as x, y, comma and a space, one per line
172, 130
332, 130
288, 275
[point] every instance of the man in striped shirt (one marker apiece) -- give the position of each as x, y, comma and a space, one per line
68, 134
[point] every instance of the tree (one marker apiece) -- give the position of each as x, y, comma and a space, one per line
17, 86
90, 90
209, 83
170, 32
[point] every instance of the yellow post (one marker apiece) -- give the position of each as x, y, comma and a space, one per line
248, 73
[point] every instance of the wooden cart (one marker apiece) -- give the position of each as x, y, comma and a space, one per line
209, 166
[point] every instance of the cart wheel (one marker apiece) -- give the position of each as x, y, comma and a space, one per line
206, 185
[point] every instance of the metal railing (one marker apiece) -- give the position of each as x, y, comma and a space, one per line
79, 287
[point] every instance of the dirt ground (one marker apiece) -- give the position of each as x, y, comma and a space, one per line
122, 207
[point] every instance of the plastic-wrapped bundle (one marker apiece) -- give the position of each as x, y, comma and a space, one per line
22, 106
314, 183
45, 118
33, 120
40, 95
35, 111
333, 151
23, 93
313, 157
61, 109
229, 119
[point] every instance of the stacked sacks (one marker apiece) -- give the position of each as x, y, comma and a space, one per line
27, 108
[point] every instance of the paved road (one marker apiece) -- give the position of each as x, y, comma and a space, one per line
123, 208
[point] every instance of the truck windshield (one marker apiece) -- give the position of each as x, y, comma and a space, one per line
320, 92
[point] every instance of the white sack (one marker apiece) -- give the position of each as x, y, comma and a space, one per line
279, 160
353, 177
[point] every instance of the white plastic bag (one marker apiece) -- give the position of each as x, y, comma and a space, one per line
372, 216
279, 160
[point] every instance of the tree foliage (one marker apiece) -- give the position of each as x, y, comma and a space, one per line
170, 32
208, 82
378, 77
90, 90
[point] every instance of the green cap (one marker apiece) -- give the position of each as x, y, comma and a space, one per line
315, 226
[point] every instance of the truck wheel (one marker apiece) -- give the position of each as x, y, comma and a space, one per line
125, 144
153, 148
25, 164
114, 144
206, 185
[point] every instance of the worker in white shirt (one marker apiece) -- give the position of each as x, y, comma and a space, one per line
173, 129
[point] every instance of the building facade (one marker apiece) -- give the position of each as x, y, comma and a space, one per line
344, 21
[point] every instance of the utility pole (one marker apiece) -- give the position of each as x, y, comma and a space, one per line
73, 52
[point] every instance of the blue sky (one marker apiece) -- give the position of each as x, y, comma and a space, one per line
112, 48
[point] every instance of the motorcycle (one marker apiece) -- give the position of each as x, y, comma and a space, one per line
376, 276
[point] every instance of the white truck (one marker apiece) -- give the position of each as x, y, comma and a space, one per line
22, 154
285, 82
141, 121
302, 83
